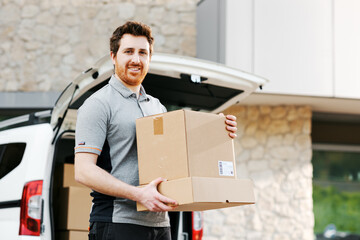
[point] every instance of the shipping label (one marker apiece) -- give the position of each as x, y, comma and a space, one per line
226, 168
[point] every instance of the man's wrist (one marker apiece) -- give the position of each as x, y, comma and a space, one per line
135, 193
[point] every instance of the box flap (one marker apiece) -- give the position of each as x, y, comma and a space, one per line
223, 190
199, 194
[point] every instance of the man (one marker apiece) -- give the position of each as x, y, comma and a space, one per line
106, 153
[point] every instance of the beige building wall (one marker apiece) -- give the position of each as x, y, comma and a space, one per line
273, 149
45, 44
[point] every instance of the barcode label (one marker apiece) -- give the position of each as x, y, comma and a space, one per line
226, 168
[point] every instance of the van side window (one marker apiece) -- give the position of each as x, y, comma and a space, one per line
10, 157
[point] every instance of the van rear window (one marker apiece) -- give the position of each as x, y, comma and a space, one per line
10, 157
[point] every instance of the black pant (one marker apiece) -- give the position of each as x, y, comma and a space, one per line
125, 231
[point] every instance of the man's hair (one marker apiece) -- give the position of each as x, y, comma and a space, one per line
133, 28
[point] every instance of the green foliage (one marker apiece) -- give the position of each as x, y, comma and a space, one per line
339, 208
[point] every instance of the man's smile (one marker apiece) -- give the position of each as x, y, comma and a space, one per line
134, 68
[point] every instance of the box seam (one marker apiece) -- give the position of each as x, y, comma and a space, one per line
186, 144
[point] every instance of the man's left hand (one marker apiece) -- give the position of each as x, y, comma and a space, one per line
230, 124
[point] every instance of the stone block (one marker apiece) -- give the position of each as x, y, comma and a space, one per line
307, 170
29, 11
257, 152
187, 17
283, 210
248, 142
284, 152
156, 15
253, 235
169, 29
278, 127
242, 170
42, 33
188, 46
257, 165
68, 20
253, 113
282, 236
251, 128
307, 127
264, 109
126, 10
261, 137
292, 113
296, 126
304, 112
262, 179
274, 141
188, 30
303, 142
243, 157
276, 164
289, 139
278, 112
9, 13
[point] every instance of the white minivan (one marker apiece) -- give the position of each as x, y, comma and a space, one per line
34, 146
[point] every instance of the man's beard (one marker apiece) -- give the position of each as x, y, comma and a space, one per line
130, 78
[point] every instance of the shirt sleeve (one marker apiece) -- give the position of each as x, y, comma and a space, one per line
91, 126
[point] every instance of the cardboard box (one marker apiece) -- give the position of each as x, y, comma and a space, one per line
72, 235
66, 175
199, 193
74, 206
182, 144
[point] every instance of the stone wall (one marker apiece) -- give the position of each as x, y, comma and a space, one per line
273, 149
45, 44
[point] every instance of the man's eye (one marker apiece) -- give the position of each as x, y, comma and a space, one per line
127, 51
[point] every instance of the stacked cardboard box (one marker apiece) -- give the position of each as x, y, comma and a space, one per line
194, 152
73, 206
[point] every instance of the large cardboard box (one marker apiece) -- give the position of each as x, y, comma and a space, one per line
182, 144
72, 235
74, 206
200, 193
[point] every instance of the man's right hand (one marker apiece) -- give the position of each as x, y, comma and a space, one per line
153, 200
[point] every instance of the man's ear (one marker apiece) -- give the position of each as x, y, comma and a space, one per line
113, 56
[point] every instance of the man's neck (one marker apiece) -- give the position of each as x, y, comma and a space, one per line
134, 89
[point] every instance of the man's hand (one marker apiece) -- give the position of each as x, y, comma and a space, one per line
230, 124
153, 200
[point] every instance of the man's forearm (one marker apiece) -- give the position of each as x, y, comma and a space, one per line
92, 176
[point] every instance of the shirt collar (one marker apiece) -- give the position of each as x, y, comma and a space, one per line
125, 92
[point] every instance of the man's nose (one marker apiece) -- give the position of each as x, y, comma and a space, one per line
135, 58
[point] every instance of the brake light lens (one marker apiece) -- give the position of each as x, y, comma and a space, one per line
197, 225
31, 209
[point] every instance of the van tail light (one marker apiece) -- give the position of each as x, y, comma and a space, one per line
197, 225
31, 209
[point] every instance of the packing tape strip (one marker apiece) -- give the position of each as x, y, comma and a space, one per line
158, 126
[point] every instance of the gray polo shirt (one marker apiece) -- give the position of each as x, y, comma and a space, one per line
106, 126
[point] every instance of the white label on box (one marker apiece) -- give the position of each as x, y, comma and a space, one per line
226, 168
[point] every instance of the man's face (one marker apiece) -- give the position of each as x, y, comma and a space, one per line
132, 59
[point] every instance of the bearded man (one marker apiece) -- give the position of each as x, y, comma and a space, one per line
106, 151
